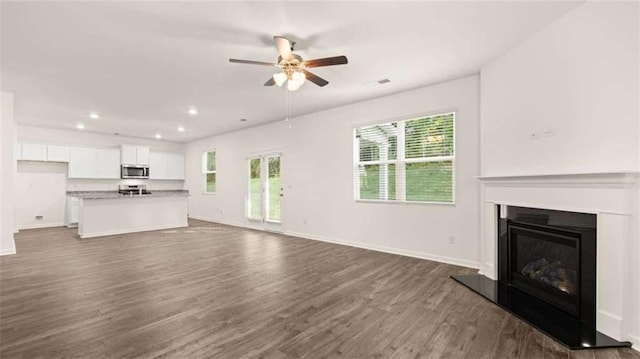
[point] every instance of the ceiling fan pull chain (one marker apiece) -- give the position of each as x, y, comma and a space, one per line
288, 108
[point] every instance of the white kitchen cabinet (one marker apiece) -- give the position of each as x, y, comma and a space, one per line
129, 156
33, 152
175, 166
157, 166
82, 162
107, 164
42, 152
73, 207
166, 166
142, 155
94, 163
57, 153
135, 155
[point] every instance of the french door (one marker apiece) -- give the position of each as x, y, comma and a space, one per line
265, 191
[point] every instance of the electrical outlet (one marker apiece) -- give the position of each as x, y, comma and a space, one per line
534, 135
304, 221
452, 240
548, 132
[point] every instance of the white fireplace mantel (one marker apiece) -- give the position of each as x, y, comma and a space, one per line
612, 197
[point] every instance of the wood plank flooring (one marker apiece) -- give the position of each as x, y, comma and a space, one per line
214, 291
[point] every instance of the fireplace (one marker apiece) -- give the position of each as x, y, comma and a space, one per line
545, 264
550, 256
546, 273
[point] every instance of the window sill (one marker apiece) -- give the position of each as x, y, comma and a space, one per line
412, 203
208, 193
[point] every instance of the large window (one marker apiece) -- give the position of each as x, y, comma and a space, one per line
209, 171
406, 161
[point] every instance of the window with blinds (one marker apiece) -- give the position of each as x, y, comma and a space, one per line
406, 161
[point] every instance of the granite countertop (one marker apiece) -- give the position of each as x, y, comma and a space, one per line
115, 194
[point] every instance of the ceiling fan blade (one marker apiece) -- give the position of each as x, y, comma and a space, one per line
327, 61
251, 62
315, 79
270, 82
284, 47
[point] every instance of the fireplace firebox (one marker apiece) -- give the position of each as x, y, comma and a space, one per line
547, 274
550, 256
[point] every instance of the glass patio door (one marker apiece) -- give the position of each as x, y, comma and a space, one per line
265, 191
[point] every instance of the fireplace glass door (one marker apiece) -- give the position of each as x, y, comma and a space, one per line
545, 263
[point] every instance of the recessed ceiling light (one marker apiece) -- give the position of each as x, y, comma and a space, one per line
158, 136
180, 129
94, 116
193, 111
80, 126
243, 120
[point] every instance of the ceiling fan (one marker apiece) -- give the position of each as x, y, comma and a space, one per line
294, 68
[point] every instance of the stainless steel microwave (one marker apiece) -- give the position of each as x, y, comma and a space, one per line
130, 171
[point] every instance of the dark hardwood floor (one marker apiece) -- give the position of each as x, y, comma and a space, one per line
213, 291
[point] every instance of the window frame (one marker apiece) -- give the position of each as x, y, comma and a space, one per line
401, 161
205, 172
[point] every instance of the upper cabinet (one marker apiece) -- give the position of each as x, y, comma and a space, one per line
57, 153
166, 166
94, 163
104, 163
142, 153
175, 166
82, 162
135, 155
33, 152
41, 152
108, 163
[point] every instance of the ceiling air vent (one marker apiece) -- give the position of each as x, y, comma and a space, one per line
383, 81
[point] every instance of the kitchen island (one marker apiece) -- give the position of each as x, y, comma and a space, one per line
104, 213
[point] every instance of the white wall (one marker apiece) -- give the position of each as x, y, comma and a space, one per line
42, 186
7, 166
318, 176
578, 77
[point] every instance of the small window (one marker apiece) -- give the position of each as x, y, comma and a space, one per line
209, 171
406, 161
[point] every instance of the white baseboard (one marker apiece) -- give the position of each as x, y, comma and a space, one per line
125, 231
609, 324
40, 225
384, 249
427, 256
6, 252
488, 270
228, 223
635, 341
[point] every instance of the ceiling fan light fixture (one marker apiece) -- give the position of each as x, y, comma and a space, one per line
280, 78
293, 85
296, 80
298, 77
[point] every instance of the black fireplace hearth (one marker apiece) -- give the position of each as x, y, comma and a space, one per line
547, 274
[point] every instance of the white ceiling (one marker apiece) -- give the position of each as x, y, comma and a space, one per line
141, 65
